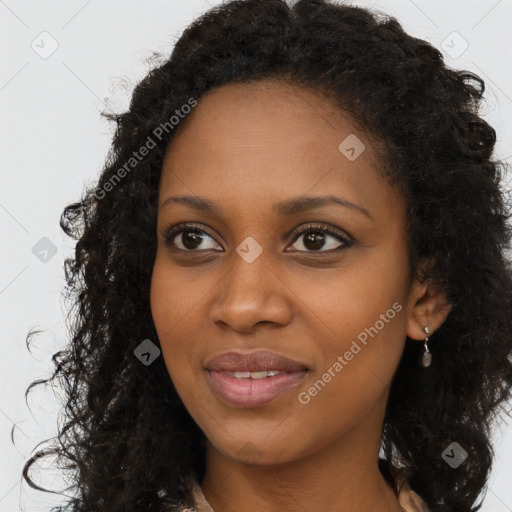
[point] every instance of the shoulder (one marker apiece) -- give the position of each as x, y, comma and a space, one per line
411, 501
200, 503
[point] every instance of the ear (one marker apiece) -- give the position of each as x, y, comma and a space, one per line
426, 306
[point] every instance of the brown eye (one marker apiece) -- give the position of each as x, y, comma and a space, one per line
189, 238
316, 239
320, 237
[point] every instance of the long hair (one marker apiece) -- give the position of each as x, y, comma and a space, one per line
128, 439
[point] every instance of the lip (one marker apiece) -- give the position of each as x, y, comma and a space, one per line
255, 361
252, 392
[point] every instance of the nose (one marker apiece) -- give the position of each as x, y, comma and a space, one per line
251, 294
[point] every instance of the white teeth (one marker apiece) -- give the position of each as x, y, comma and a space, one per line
258, 375
254, 375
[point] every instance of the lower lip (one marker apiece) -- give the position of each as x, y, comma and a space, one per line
252, 392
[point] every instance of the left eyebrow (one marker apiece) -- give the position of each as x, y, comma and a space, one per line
305, 203
284, 208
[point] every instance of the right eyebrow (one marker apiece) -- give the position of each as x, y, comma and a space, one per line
285, 207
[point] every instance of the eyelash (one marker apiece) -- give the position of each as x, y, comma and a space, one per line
171, 232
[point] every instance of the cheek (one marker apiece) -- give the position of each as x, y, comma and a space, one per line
175, 307
365, 312
169, 313
161, 294
174, 297
360, 300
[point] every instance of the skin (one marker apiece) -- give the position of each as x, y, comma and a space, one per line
245, 147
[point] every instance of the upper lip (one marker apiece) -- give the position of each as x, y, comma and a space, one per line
260, 360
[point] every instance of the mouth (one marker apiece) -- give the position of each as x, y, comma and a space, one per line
255, 361
253, 379
242, 391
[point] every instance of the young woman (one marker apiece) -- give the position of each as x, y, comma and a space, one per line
291, 281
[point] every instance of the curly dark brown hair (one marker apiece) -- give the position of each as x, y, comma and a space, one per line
128, 439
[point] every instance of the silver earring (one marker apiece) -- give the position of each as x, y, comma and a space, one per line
426, 357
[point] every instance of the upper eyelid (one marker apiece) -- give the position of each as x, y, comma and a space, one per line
188, 226
297, 232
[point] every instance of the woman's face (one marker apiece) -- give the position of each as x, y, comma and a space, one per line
271, 160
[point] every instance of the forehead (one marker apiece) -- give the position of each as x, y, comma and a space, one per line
261, 140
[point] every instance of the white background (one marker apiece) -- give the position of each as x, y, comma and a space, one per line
53, 142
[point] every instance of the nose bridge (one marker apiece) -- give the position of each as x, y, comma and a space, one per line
250, 292
249, 279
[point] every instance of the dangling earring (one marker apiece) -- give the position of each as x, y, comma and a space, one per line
426, 357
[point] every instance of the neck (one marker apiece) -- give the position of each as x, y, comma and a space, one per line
343, 475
